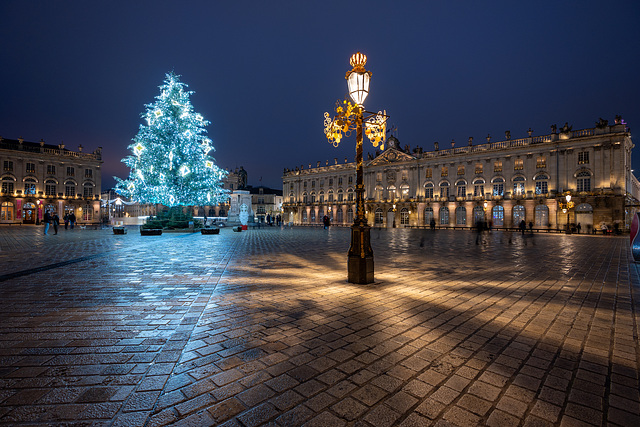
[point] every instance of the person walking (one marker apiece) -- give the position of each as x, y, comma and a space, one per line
66, 220
578, 227
56, 221
523, 226
326, 221
432, 224
531, 227
72, 220
47, 222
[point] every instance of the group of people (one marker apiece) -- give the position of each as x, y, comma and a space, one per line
52, 218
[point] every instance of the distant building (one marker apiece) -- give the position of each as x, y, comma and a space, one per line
501, 182
38, 177
265, 201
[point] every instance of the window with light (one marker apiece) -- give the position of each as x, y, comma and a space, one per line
478, 188
518, 185
498, 187
498, 216
461, 215
444, 215
29, 186
428, 215
542, 186
428, 190
444, 190
404, 216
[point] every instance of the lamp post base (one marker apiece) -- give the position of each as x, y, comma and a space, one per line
360, 258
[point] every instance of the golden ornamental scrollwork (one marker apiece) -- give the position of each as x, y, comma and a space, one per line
341, 125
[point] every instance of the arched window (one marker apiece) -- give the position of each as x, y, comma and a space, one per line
404, 216
518, 215
378, 218
313, 197
478, 188
404, 191
518, 185
222, 213
583, 181
320, 214
428, 215
50, 187
444, 190
7, 184
88, 190
379, 192
542, 186
498, 216
7, 211
350, 195
305, 217
313, 216
29, 212
461, 188
478, 214
330, 196
321, 196
29, 186
212, 213
428, 190
444, 215
305, 198
392, 192
340, 195
292, 197
541, 215
70, 189
349, 215
461, 215
498, 187
340, 216
584, 208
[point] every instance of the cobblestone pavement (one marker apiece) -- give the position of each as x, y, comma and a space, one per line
260, 327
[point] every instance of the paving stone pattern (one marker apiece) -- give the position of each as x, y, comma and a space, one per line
261, 328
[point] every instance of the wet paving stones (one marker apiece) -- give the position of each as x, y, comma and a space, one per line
261, 328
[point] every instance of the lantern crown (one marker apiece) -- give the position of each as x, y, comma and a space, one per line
358, 61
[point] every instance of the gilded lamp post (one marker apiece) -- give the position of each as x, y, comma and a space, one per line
352, 116
566, 207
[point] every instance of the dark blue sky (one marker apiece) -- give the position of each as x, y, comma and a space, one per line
265, 72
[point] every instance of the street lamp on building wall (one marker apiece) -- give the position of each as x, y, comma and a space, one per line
351, 116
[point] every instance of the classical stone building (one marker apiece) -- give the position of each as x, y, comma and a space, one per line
36, 177
265, 201
500, 182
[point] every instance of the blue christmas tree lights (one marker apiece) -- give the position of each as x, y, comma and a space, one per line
171, 164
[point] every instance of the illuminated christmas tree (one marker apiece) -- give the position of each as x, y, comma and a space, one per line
170, 162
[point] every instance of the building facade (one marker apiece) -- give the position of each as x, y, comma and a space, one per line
39, 177
266, 203
501, 183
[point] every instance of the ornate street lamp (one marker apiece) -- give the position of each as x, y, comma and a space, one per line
568, 205
350, 116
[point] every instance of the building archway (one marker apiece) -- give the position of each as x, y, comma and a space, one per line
584, 216
29, 213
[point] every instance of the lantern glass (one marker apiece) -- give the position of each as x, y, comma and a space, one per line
358, 86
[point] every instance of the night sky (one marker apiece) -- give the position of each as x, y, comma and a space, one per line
264, 72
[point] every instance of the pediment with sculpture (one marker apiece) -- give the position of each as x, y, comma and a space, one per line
391, 155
